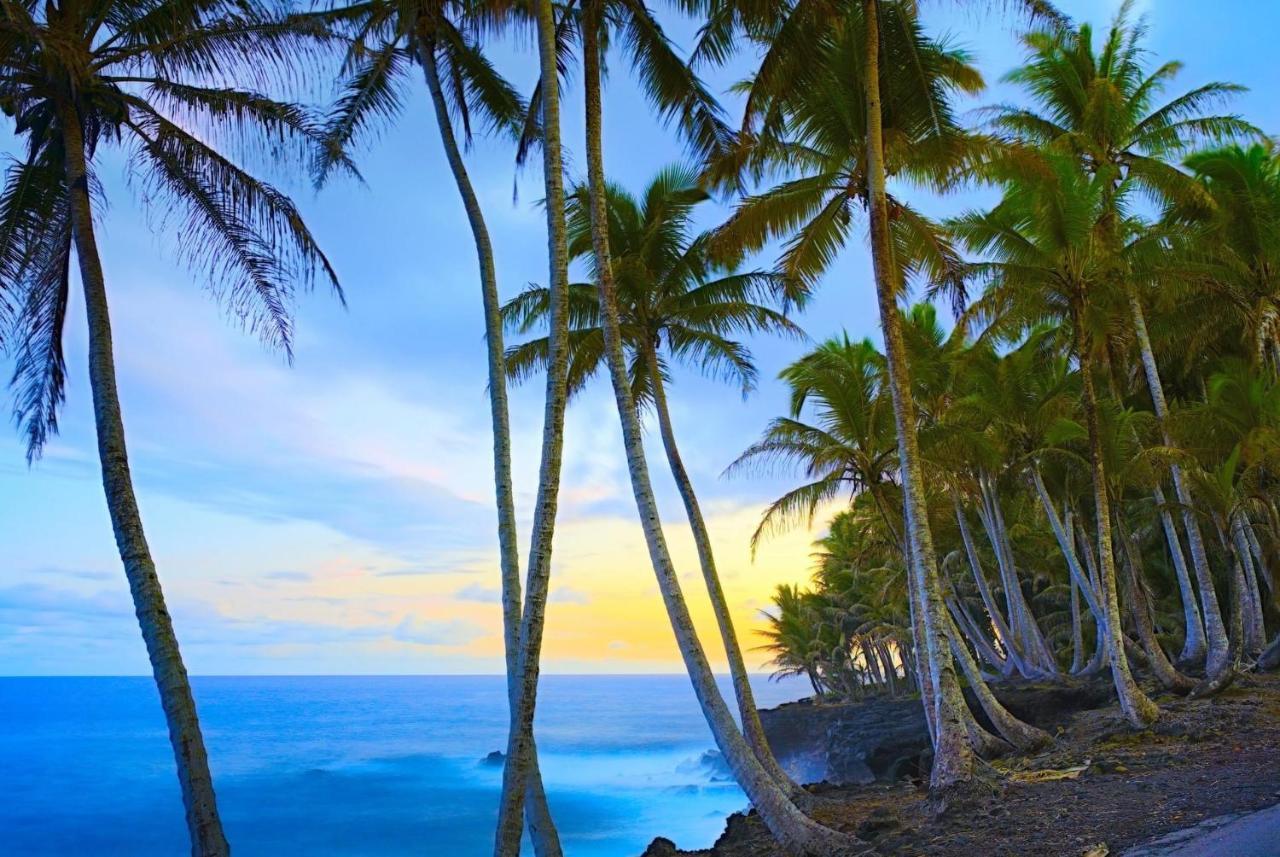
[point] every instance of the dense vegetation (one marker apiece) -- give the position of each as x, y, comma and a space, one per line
1077, 476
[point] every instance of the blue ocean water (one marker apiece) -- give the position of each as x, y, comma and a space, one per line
371, 765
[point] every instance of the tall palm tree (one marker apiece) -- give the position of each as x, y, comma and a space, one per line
517, 771
1048, 260
443, 39
1101, 104
675, 305
76, 78
679, 95
821, 76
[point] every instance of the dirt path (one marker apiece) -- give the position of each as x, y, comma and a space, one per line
1101, 784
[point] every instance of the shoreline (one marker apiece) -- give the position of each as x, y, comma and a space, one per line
1105, 787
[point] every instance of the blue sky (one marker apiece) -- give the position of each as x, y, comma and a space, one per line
335, 516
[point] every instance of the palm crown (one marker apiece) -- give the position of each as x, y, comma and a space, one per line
673, 298
808, 127
140, 77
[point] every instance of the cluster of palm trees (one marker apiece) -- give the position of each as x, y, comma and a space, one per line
1106, 397
1103, 409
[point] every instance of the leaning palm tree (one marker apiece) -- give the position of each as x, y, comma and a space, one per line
677, 92
676, 306
1048, 260
387, 39
77, 78
1101, 104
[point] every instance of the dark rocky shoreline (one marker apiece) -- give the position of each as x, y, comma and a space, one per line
868, 760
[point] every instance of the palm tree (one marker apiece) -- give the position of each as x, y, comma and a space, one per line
675, 90
77, 78
442, 38
822, 77
1101, 106
1049, 261
518, 769
850, 446
679, 94
846, 446
1236, 302
673, 299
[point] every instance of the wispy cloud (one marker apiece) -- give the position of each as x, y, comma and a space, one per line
455, 633
480, 593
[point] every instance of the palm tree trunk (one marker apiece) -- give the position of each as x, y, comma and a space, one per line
890, 671
518, 771
1100, 644
1091, 595
542, 829
953, 759
1024, 736
1139, 710
1077, 632
1255, 547
747, 712
1022, 622
968, 632
1214, 683
1014, 659
1215, 633
1161, 667
791, 827
1193, 646
203, 824
1254, 629
1034, 641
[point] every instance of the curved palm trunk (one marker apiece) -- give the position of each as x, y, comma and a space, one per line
970, 631
1217, 682
1139, 710
1024, 736
203, 824
1193, 645
793, 829
953, 758
1022, 620
1100, 643
1013, 659
542, 829
1215, 633
747, 712
1255, 547
518, 770
1077, 632
1091, 595
1161, 667
1251, 595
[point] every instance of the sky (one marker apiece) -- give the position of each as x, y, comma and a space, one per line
336, 515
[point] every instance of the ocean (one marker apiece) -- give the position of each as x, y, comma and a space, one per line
374, 766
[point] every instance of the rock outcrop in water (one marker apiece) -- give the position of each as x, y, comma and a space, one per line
848, 743
857, 743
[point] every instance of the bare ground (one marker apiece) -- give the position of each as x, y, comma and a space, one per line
1102, 783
